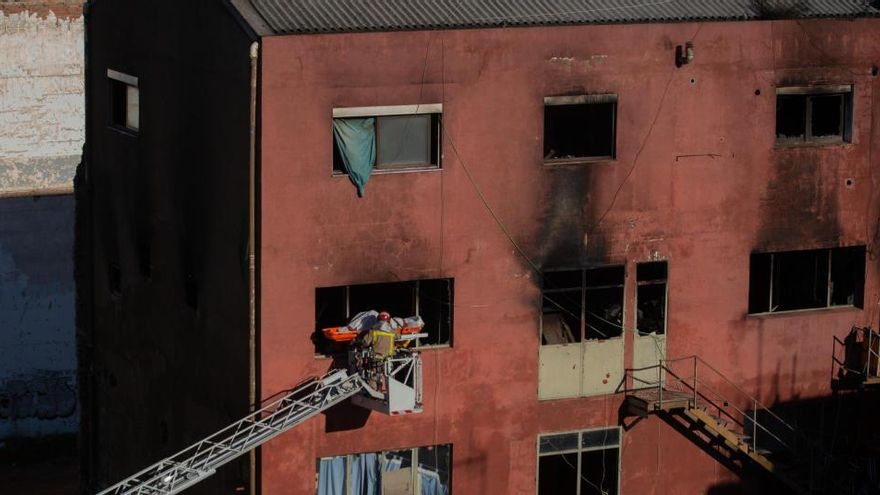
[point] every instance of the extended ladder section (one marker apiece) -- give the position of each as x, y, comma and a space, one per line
391, 386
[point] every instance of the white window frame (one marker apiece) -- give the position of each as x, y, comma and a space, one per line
392, 111
130, 82
579, 450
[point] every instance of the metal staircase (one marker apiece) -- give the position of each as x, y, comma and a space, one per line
724, 418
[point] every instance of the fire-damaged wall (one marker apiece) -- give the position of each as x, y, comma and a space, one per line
697, 179
162, 233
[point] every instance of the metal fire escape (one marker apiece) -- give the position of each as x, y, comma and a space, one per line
391, 386
719, 415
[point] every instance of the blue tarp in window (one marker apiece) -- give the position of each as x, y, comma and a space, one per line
331, 476
365, 477
356, 142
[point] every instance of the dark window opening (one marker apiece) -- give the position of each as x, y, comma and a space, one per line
651, 289
402, 142
585, 462
191, 290
818, 278
582, 305
114, 279
430, 299
811, 115
579, 131
124, 105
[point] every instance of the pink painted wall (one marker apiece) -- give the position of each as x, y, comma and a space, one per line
732, 194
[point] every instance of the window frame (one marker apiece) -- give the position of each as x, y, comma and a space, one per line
416, 304
584, 289
117, 81
810, 92
653, 282
579, 450
435, 110
414, 467
829, 286
585, 99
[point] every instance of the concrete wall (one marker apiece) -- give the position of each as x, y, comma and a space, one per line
42, 122
41, 97
698, 181
37, 342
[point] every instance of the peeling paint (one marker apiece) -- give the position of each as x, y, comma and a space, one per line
41, 100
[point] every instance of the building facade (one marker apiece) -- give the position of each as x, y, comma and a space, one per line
564, 205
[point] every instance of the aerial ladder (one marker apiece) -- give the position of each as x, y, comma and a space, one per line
383, 374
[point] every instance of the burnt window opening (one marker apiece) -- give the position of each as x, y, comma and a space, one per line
814, 114
584, 304
586, 462
404, 141
431, 299
811, 279
651, 290
579, 128
114, 279
124, 101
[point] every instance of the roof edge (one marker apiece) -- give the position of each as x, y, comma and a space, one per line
250, 17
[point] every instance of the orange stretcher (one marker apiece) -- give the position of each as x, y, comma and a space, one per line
344, 334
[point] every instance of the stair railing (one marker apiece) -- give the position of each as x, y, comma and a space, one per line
704, 384
863, 339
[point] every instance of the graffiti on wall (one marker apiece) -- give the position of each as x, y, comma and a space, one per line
40, 395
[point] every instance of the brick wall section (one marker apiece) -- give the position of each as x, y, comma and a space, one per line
41, 100
61, 8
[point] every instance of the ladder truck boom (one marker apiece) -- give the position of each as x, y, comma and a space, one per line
390, 383
199, 461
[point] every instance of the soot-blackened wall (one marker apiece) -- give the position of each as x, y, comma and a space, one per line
697, 180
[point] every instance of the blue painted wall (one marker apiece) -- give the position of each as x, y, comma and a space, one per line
37, 336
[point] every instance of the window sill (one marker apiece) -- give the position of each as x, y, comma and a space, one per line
426, 348
787, 145
794, 312
563, 162
338, 175
123, 130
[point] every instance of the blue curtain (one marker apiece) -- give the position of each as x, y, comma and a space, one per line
431, 483
365, 476
331, 476
356, 141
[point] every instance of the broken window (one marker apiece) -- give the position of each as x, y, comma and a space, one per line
579, 128
417, 471
651, 297
401, 138
430, 299
585, 462
817, 278
585, 304
124, 101
813, 114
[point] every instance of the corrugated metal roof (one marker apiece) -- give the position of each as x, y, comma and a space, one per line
331, 16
